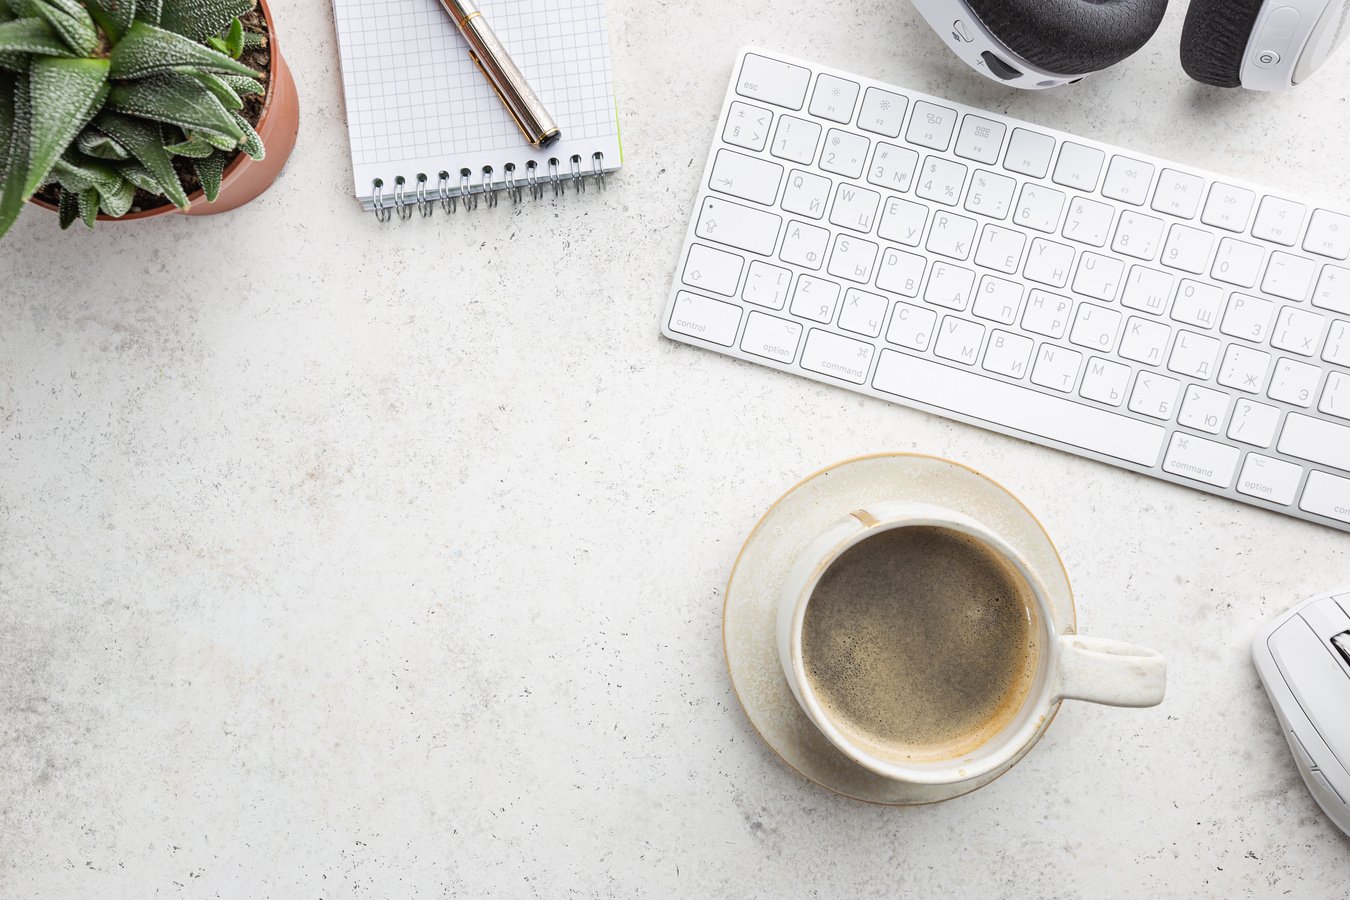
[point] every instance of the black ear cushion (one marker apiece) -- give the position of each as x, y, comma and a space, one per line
1071, 37
1215, 38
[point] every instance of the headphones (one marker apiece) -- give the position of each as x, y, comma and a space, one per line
1265, 45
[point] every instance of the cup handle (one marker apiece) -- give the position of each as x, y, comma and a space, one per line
1110, 672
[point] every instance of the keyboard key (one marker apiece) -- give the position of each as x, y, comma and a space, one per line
1248, 318
1187, 249
1328, 234
1008, 354
931, 126
1298, 331
852, 258
949, 286
1237, 262
1254, 423
1049, 263
837, 356
1338, 344
1197, 304
959, 340
882, 112
1154, 395
1105, 381
1336, 396
1098, 276
1270, 479
998, 300
747, 126
1333, 290
1228, 207
1315, 440
804, 245
779, 83
1056, 368
713, 270
1178, 193
704, 318
901, 272
1137, 235
806, 194
1294, 383
1047, 314
1147, 290
1194, 355
795, 139
1289, 276
771, 337
1029, 153
766, 285
1039, 207
1018, 408
862, 312
1078, 166
1000, 249
1088, 222
902, 222
1327, 495
834, 98
1244, 368
845, 153
747, 177
951, 236
1203, 409
990, 195
1278, 221
815, 299
941, 180
893, 167
1128, 180
1145, 341
1202, 460
854, 208
911, 326
980, 139
738, 226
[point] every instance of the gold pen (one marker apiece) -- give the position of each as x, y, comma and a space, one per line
512, 89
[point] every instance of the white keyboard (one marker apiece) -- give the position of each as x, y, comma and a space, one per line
1046, 286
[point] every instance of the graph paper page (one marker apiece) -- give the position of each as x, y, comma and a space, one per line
417, 105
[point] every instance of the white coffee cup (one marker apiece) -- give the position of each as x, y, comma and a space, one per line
1068, 666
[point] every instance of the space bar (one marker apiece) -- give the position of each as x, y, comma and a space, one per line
1002, 404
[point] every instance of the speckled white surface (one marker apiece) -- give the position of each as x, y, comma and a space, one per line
387, 570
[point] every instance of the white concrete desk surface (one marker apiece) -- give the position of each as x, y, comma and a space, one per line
341, 559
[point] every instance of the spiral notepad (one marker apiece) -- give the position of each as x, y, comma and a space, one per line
426, 127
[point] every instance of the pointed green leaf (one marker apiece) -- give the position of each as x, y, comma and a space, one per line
253, 144
221, 88
116, 200
176, 100
200, 19
88, 204
82, 173
13, 61
209, 171
146, 50
149, 11
18, 112
244, 87
32, 36
234, 39
113, 16
193, 147
67, 208
97, 144
254, 40
65, 94
71, 22
140, 176
145, 140
7, 85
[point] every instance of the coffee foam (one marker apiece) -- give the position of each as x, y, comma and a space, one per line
920, 643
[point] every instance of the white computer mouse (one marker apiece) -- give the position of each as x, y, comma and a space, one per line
1303, 658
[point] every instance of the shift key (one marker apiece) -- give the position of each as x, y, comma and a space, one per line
739, 226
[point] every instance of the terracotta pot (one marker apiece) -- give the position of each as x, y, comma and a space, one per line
245, 179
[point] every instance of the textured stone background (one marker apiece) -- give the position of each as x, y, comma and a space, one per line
340, 559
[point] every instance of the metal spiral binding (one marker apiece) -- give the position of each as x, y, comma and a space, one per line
470, 190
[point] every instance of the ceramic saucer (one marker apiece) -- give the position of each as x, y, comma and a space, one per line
749, 616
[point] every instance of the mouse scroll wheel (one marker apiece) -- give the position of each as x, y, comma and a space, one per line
1342, 643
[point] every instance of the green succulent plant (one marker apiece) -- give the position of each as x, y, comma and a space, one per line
101, 97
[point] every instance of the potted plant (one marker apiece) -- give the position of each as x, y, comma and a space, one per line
113, 109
